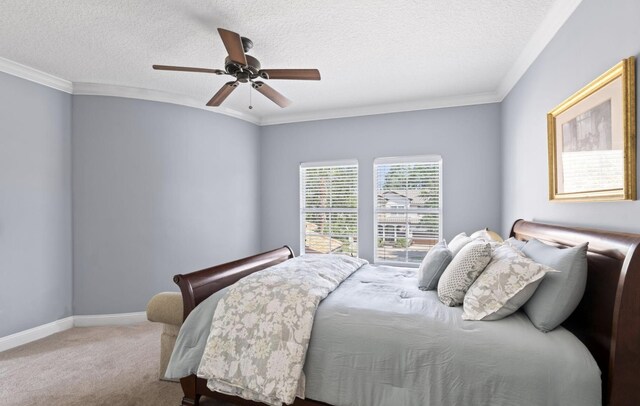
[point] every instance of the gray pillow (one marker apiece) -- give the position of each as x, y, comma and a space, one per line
432, 266
559, 293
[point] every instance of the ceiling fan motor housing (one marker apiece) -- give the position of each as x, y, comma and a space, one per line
253, 65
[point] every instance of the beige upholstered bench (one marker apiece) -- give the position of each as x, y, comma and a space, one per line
166, 308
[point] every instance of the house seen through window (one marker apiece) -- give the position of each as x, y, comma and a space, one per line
329, 208
408, 207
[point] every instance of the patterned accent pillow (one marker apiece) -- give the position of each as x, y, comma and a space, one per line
506, 284
463, 271
458, 242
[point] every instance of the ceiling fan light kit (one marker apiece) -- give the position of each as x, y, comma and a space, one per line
245, 69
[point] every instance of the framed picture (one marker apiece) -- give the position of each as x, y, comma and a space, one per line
592, 140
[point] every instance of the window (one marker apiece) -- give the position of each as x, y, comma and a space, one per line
408, 208
329, 207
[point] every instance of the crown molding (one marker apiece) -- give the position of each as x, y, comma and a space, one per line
100, 89
559, 13
551, 24
34, 75
427, 104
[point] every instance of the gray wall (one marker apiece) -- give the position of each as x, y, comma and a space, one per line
467, 138
597, 36
35, 205
158, 189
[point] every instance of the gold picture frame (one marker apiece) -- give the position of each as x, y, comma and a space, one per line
592, 140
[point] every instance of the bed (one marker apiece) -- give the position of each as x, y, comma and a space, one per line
606, 322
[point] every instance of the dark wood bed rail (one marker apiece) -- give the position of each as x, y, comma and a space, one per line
199, 285
607, 319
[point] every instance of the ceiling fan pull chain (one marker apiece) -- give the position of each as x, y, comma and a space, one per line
250, 103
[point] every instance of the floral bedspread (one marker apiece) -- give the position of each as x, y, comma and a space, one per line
260, 332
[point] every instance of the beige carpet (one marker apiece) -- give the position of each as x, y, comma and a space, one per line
89, 366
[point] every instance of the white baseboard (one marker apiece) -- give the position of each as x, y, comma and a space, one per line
119, 319
36, 333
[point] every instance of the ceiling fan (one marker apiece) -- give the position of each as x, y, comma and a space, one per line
246, 69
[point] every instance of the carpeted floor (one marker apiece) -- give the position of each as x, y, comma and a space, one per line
89, 366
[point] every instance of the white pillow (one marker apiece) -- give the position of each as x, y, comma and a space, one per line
463, 271
504, 286
458, 242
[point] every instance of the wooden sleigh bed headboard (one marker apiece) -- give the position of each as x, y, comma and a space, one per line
607, 319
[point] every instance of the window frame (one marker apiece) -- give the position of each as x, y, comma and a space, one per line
302, 210
406, 160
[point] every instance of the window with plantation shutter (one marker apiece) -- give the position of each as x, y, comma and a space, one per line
408, 208
329, 208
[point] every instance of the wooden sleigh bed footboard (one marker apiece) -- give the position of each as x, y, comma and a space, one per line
607, 320
199, 285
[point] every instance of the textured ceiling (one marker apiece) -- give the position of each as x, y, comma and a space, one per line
369, 53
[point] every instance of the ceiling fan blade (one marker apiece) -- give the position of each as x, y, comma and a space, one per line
233, 43
223, 93
271, 94
188, 69
294, 74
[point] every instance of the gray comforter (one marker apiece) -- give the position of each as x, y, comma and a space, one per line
262, 327
379, 340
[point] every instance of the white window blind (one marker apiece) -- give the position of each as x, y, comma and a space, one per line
408, 208
329, 207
